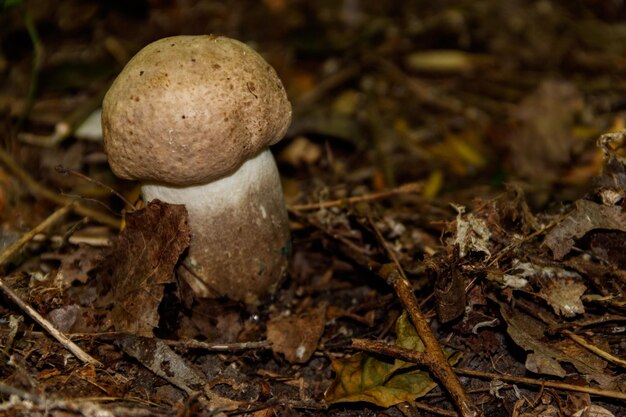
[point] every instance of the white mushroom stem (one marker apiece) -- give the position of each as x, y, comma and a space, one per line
239, 230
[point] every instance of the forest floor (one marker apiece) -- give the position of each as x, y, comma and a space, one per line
455, 180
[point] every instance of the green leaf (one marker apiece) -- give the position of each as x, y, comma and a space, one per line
363, 377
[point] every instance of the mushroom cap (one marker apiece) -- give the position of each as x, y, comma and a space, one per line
191, 109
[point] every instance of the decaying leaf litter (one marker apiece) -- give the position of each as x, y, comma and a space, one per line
456, 145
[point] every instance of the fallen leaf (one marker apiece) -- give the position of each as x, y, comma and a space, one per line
541, 137
167, 364
63, 318
472, 234
76, 265
564, 296
142, 263
363, 377
587, 216
608, 245
541, 410
545, 357
297, 337
163, 361
449, 290
593, 410
300, 151
613, 177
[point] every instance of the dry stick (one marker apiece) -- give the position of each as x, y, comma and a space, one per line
7, 254
67, 127
525, 239
594, 349
409, 188
431, 409
550, 384
68, 171
326, 85
417, 357
85, 406
436, 360
219, 347
12, 250
39, 190
39, 319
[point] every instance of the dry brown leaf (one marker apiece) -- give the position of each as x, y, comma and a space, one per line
564, 295
450, 290
163, 361
76, 265
541, 139
297, 337
472, 234
143, 262
608, 245
545, 357
593, 410
587, 216
300, 151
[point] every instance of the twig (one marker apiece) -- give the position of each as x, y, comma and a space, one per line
543, 383
39, 190
438, 364
431, 409
525, 239
219, 347
68, 126
423, 91
434, 357
7, 254
326, 85
39, 319
417, 357
12, 250
382, 348
68, 171
409, 188
76, 406
594, 349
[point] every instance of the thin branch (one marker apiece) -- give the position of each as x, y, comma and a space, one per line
68, 171
408, 355
12, 250
409, 188
39, 319
326, 85
525, 239
76, 406
218, 347
40, 191
430, 409
436, 362
594, 349
439, 366
382, 348
68, 126
542, 383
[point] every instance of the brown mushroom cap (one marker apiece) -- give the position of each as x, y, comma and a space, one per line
190, 109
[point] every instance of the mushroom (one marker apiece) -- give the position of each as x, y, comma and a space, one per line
192, 117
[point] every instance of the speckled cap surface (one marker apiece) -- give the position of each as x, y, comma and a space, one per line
190, 109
